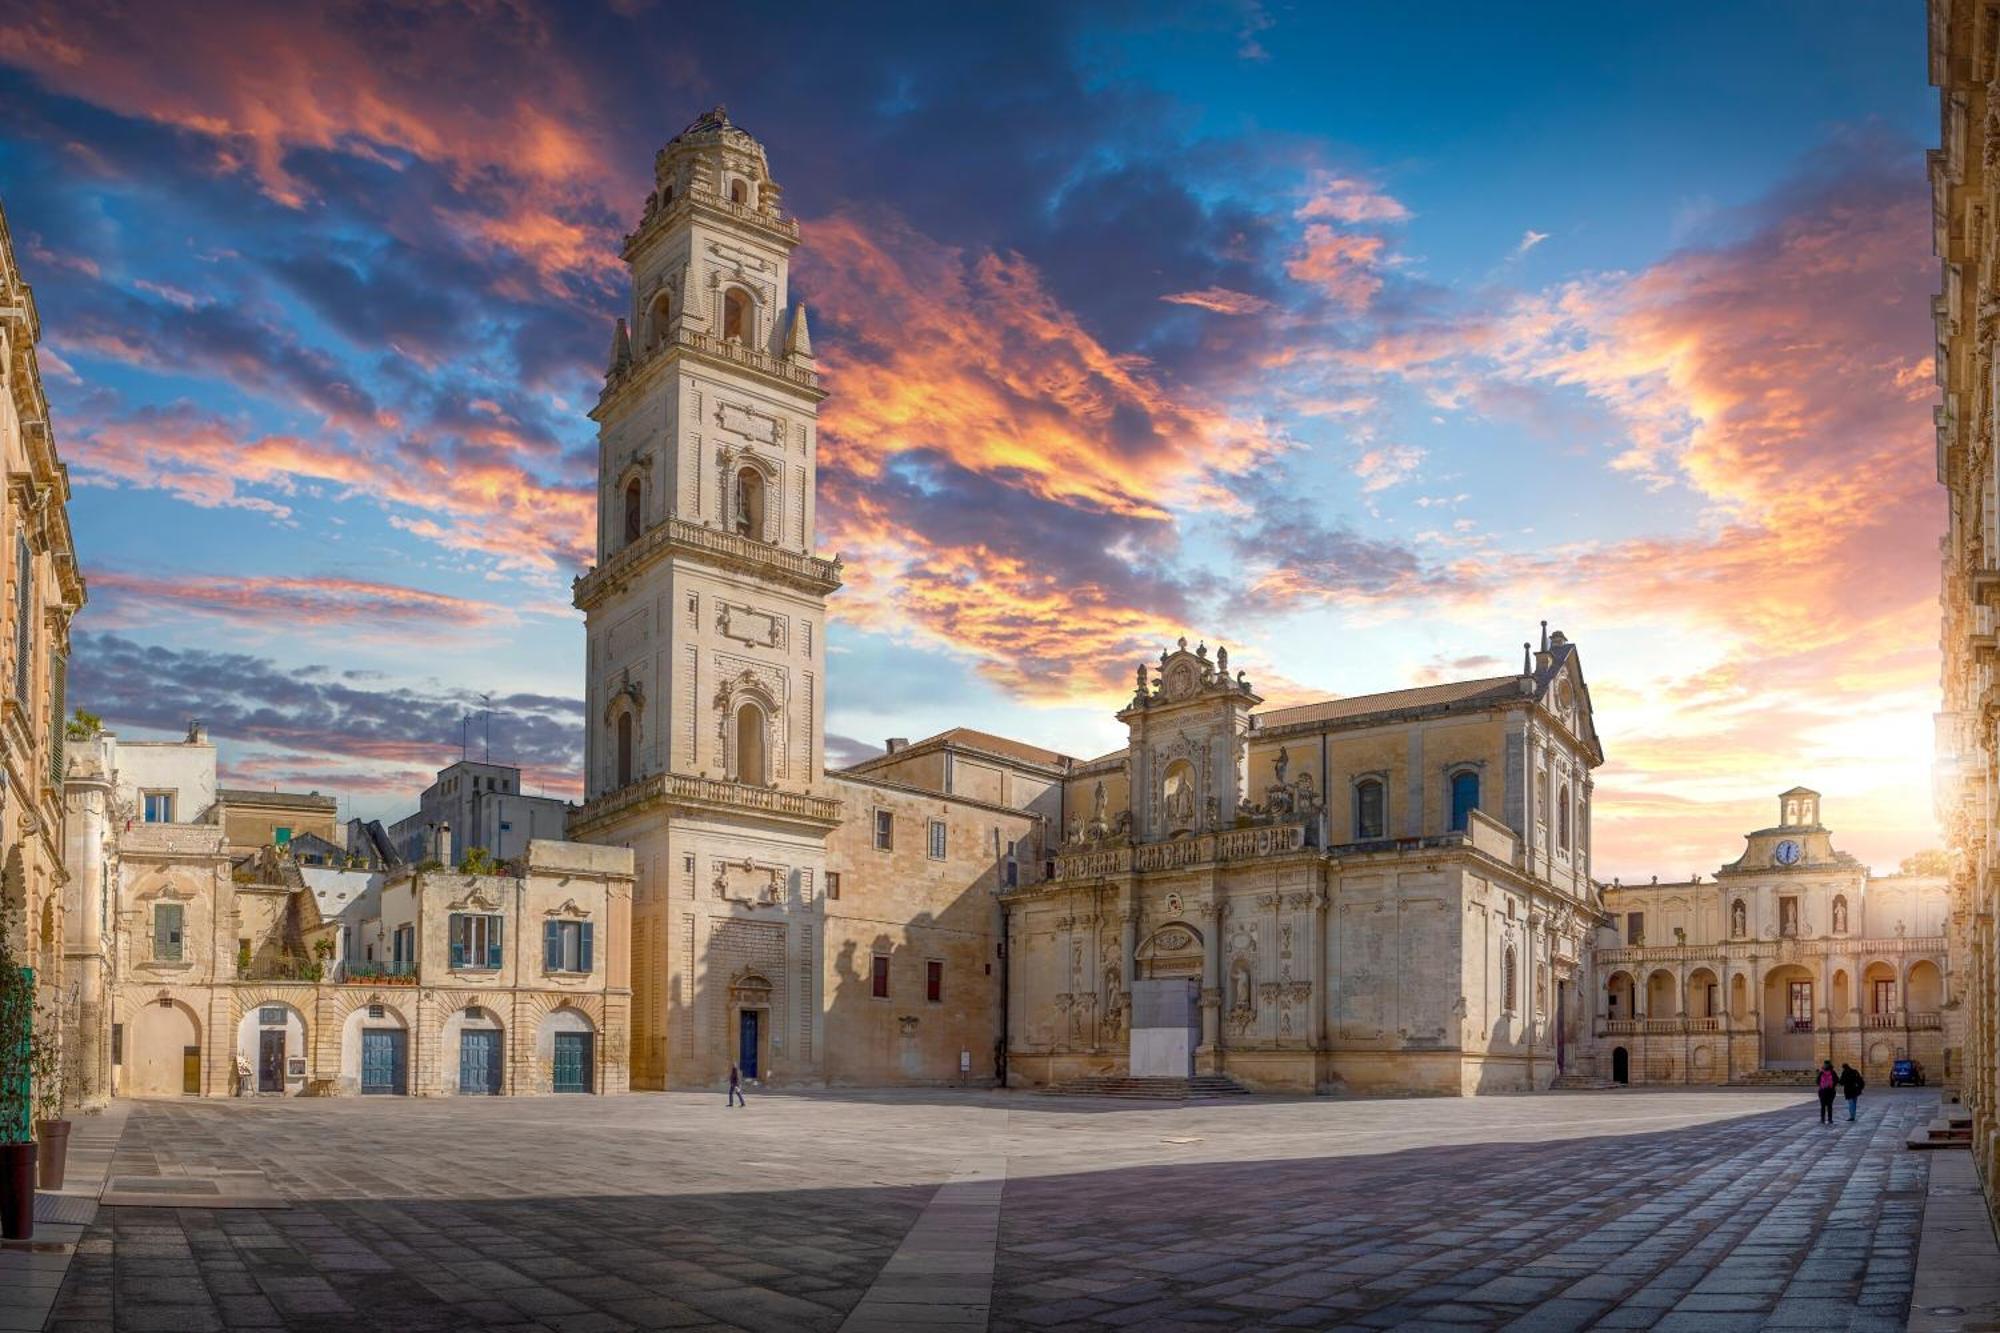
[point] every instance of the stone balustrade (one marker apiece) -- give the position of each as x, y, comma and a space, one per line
1778, 950
701, 793
809, 573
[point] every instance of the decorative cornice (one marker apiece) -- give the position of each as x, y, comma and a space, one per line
712, 546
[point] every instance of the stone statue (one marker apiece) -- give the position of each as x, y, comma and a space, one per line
1840, 916
1097, 803
1284, 761
1736, 920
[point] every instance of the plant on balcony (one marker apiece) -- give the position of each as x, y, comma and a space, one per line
82, 726
477, 861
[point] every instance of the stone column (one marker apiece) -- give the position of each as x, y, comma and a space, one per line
1211, 914
1128, 944
1316, 906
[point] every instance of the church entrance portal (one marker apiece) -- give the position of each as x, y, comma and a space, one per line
746, 1043
1621, 1066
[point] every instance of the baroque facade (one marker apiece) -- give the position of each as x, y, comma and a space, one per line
1792, 954
43, 590
1965, 190
232, 969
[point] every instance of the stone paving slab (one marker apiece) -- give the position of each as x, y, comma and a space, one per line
1635, 1209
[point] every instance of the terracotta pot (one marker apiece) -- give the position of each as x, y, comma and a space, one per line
17, 1191
52, 1139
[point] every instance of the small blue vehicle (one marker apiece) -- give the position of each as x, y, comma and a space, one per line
1906, 1074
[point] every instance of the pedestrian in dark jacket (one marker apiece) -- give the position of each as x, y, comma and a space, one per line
1829, 1083
735, 1097
1851, 1084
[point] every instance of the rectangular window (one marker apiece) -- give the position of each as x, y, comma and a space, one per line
885, 830
271, 1016
880, 977
1788, 916
159, 807
167, 931
403, 946
833, 885
566, 946
934, 981
117, 1043
1799, 1008
506, 826
281, 836
58, 726
476, 940
1885, 997
937, 839
1635, 929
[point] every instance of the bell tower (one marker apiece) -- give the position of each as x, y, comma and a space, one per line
706, 615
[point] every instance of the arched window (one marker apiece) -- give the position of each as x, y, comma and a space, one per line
634, 514
624, 749
735, 316
1507, 979
739, 193
1464, 799
750, 503
1371, 809
1562, 817
750, 745
658, 317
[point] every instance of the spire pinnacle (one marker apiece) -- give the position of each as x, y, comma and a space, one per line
798, 339
621, 348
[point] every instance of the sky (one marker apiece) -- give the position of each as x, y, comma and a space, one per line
1357, 338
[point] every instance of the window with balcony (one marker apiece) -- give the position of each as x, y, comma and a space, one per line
1883, 998
566, 946
735, 316
476, 940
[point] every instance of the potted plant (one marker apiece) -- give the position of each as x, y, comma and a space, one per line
50, 1072
17, 1144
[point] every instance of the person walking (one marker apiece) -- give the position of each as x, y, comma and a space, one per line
1829, 1083
735, 1097
1851, 1084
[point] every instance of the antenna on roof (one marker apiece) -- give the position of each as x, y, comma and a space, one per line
486, 751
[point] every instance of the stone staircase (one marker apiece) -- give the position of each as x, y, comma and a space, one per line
1952, 1128
1776, 1078
1198, 1088
1580, 1083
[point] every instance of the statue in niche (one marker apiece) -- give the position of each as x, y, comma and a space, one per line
1180, 794
1840, 916
1738, 922
1099, 826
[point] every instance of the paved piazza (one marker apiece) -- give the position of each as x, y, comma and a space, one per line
1627, 1209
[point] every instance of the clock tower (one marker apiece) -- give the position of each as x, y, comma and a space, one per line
706, 615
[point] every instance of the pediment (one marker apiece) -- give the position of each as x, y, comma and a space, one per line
568, 908
477, 900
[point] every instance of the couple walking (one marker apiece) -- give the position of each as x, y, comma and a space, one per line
1848, 1082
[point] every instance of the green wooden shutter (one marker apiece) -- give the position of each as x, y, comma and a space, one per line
58, 728
457, 940
24, 607
494, 932
552, 946
583, 950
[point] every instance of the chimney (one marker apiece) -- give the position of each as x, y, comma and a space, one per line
896, 743
197, 732
443, 845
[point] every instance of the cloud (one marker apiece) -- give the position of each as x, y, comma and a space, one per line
123, 598
1344, 266
1347, 199
1221, 300
309, 716
1379, 469
1529, 240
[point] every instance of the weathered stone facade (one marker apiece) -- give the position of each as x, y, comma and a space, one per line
1965, 199
227, 974
43, 590
1792, 954
1422, 930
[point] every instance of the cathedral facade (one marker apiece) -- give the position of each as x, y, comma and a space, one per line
1386, 892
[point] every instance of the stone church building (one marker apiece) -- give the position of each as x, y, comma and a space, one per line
1389, 892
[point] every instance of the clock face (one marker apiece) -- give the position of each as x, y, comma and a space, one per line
1787, 853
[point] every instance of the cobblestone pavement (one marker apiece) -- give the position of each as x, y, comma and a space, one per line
1631, 1209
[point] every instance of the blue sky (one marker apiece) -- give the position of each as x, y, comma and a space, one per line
1358, 338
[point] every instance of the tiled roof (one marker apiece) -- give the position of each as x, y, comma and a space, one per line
1362, 705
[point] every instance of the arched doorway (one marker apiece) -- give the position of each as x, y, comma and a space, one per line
1791, 1009
163, 1055
1621, 1065
750, 1005
271, 1044
474, 1038
566, 1045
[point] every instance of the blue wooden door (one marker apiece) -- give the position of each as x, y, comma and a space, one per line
383, 1056
746, 1045
572, 1062
479, 1061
